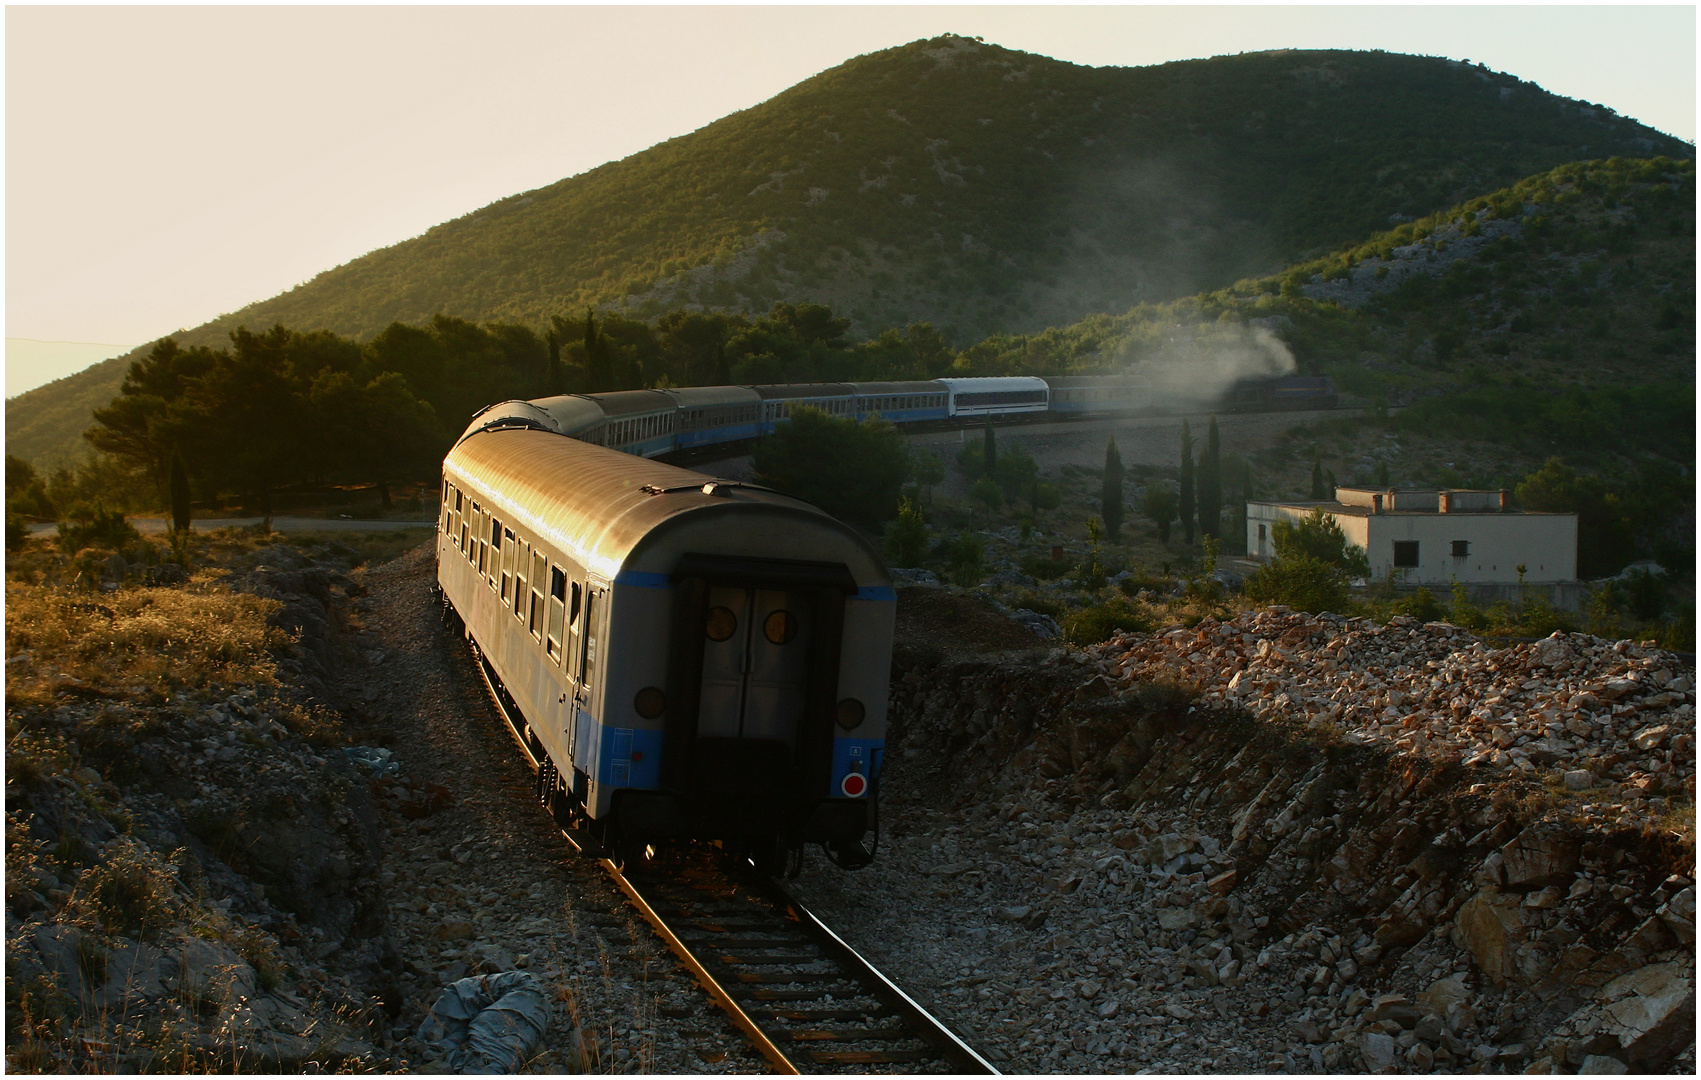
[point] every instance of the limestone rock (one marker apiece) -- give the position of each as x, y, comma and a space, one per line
1379, 1052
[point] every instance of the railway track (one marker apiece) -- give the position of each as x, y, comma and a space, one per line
806, 1000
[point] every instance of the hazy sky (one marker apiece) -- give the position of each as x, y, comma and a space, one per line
166, 165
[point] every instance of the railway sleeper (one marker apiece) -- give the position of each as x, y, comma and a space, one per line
808, 995
864, 1035
821, 1015
870, 1057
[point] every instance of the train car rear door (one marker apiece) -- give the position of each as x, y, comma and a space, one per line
753, 675
755, 665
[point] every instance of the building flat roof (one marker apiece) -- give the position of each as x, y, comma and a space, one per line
1330, 506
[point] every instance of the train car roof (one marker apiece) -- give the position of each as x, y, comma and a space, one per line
572, 413
513, 414
928, 386
692, 397
804, 390
627, 402
984, 384
609, 509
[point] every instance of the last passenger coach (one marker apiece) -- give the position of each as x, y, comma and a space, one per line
685, 657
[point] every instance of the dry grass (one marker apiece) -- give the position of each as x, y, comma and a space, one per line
134, 641
131, 892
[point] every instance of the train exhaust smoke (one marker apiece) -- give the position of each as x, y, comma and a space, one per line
1193, 366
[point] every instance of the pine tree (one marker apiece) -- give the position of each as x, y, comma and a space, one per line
1186, 513
1211, 484
1111, 497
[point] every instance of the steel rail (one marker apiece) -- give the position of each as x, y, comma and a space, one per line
776, 1057
928, 1028
960, 1054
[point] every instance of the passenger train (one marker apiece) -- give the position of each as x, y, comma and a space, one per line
654, 423
688, 657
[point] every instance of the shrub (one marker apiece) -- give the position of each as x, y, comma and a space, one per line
1464, 613
1045, 568
1318, 536
1421, 605
906, 538
95, 526
1038, 602
965, 554
1096, 623
1301, 582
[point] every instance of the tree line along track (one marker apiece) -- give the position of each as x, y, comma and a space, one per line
803, 997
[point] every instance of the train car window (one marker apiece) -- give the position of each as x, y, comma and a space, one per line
540, 571
557, 611
588, 640
522, 561
508, 549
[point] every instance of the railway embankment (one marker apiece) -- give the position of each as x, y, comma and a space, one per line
1289, 843
201, 876
192, 866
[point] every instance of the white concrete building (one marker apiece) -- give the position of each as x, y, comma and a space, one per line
1436, 537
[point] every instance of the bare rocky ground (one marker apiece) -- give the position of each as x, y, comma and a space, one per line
1102, 861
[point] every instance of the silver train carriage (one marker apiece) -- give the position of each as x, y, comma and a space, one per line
690, 658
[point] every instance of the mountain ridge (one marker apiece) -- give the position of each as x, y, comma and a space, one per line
977, 188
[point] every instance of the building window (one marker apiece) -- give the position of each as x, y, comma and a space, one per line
1461, 548
1405, 553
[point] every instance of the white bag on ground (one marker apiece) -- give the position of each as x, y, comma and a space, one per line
488, 1023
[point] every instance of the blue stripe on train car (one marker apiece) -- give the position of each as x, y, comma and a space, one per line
643, 579
630, 758
710, 436
878, 593
864, 752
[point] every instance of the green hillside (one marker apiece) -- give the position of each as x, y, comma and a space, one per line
982, 189
1582, 275
973, 187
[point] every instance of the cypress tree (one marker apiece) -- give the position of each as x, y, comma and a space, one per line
596, 357
989, 449
1211, 484
1186, 482
1317, 480
1111, 497
179, 493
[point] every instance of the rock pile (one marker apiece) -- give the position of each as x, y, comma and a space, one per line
1106, 861
1613, 718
